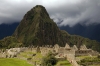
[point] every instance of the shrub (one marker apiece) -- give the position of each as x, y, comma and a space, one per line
49, 60
98, 56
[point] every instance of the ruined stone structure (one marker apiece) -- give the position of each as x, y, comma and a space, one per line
61, 51
83, 51
10, 53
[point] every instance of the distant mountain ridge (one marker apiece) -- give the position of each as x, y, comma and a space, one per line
7, 29
92, 31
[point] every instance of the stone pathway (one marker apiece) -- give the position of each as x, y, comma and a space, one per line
71, 59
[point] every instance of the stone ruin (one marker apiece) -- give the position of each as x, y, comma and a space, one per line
84, 51
10, 53
67, 50
60, 51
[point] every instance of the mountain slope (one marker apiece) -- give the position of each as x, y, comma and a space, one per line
9, 42
36, 28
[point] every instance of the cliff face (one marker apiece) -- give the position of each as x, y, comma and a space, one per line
36, 28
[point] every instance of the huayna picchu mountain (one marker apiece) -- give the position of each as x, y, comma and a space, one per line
36, 28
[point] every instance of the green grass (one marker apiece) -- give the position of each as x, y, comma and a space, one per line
63, 63
28, 54
82, 57
90, 61
13, 62
37, 58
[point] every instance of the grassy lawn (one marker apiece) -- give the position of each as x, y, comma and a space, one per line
63, 63
82, 57
37, 58
28, 54
13, 62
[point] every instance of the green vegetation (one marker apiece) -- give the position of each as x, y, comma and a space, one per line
9, 42
13, 62
78, 41
82, 57
34, 58
63, 63
26, 54
49, 60
90, 61
37, 28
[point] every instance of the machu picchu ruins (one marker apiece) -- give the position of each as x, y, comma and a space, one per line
67, 52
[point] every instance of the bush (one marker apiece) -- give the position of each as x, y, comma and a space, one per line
98, 56
49, 60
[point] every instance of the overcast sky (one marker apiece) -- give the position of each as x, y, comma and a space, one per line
64, 12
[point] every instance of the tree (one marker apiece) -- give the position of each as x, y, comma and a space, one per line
49, 60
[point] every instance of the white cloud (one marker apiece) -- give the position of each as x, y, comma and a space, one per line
64, 12
85, 12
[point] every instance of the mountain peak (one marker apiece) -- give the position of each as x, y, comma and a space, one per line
37, 28
37, 12
38, 9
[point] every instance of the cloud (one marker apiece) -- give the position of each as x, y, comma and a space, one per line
85, 12
64, 12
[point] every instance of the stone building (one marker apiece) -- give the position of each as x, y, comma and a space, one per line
67, 50
75, 48
60, 51
83, 51
56, 48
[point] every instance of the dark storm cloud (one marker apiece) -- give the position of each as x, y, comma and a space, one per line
14, 10
64, 12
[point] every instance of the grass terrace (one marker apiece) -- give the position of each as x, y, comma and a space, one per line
63, 63
13, 62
